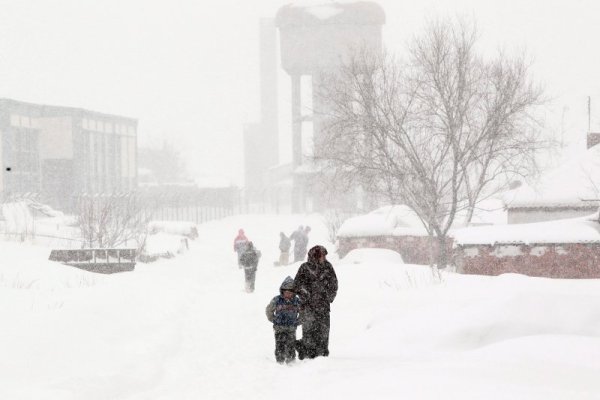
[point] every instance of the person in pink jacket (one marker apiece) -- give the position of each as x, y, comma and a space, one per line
239, 245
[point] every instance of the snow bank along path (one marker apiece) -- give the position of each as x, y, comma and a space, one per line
185, 329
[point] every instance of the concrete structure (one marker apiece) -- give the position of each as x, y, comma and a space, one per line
593, 138
315, 41
55, 152
261, 140
102, 261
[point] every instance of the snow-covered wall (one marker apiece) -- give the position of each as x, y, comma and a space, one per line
557, 249
413, 249
567, 248
560, 260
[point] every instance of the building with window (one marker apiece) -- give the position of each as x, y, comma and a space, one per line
55, 153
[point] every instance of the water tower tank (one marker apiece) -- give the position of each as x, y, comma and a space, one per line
322, 36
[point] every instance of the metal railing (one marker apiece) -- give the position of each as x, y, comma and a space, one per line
105, 261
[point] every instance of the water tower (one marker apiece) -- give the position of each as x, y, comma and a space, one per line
314, 40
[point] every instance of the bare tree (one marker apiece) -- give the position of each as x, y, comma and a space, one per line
111, 221
333, 219
438, 132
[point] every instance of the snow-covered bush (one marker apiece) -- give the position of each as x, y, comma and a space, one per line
183, 228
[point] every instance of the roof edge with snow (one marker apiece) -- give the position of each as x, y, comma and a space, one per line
573, 230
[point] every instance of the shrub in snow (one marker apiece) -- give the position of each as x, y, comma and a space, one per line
107, 221
163, 245
333, 221
18, 220
182, 228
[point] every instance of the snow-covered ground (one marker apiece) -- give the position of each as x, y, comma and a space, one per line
185, 329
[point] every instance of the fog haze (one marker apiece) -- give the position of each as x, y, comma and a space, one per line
188, 70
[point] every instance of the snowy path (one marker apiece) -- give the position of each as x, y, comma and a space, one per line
185, 329
226, 347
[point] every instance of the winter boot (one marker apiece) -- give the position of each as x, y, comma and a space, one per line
300, 349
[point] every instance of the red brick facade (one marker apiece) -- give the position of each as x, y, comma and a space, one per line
563, 260
413, 249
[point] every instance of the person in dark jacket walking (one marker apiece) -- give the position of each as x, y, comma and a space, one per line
249, 260
296, 236
283, 311
284, 248
316, 283
301, 243
297, 232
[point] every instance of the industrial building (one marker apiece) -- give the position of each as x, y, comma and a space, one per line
310, 42
55, 153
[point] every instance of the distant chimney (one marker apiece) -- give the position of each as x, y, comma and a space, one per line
593, 138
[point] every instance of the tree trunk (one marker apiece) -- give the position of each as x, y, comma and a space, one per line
432, 255
469, 216
442, 253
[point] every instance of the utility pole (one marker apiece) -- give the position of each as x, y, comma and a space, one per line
589, 113
562, 128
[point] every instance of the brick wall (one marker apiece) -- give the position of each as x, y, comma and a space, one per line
565, 260
413, 249
559, 260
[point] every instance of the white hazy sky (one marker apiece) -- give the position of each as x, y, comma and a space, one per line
188, 69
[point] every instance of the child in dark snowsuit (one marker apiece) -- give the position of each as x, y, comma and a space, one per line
283, 312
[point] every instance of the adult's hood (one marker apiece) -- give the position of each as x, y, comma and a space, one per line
315, 253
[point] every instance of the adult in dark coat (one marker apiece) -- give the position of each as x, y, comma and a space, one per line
317, 285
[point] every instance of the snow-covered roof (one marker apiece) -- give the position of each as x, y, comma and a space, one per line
401, 220
574, 230
574, 183
307, 13
324, 11
487, 212
393, 220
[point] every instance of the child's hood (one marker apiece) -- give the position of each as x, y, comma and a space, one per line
288, 284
